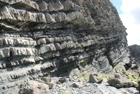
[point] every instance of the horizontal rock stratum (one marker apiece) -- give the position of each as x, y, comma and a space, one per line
52, 37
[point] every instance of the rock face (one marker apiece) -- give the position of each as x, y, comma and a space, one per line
135, 56
49, 37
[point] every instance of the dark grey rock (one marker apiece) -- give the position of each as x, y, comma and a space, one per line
46, 79
115, 82
62, 80
94, 79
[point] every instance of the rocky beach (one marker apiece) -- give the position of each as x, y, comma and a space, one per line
65, 47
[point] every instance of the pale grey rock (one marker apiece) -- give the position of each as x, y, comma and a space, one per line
60, 17
41, 41
103, 63
27, 3
71, 16
50, 84
74, 73
49, 18
21, 15
47, 48
6, 52
68, 5
43, 6
51, 55
50, 7
9, 27
58, 6
46, 79
22, 51
34, 87
58, 46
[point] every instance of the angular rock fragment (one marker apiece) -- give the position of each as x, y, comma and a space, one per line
94, 79
48, 81
77, 85
62, 80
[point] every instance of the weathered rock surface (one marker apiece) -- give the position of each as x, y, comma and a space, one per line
49, 37
120, 82
33, 87
134, 56
94, 79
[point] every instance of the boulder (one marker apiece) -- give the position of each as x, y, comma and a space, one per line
115, 82
120, 82
117, 75
138, 87
94, 79
77, 85
62, 80
34, 87
48, 81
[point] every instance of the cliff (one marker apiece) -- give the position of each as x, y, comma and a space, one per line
134, 56
53, 37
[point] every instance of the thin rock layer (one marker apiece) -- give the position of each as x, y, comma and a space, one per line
51, 37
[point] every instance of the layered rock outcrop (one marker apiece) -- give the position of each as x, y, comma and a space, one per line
134, 56
50, 37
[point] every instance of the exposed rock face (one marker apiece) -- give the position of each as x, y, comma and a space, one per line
135, 55
46, 37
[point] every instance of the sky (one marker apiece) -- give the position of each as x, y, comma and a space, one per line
129, 12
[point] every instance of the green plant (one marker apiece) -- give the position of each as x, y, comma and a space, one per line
116, 64
66, 92
85, 63
106, 76
84, 76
